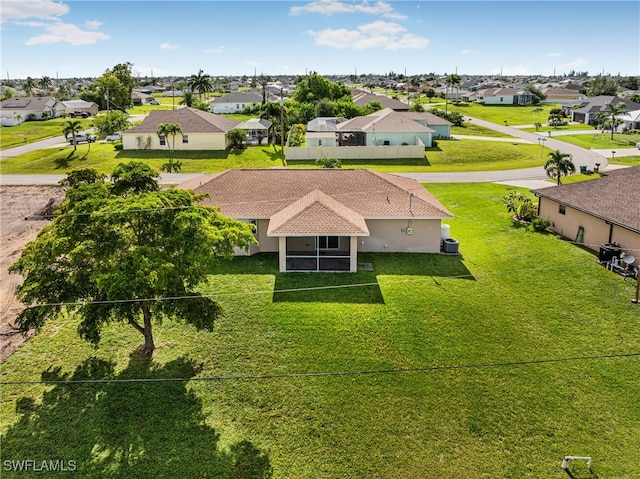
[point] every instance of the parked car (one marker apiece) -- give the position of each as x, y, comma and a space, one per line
79, 114
82, 138
114, 137
154, 102
638, 145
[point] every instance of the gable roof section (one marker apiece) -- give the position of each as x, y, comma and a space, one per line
361, 98
613, 198
239, 97
261, 193
255, 124
190, 120
32, 103
386, 120
317, 214
428, 118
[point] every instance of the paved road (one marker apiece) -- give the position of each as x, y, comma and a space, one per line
581, 156
528, 177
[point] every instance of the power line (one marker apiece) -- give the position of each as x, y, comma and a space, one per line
294, 290
365, 372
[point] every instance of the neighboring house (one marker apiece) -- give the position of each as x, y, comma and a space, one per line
16, 110
588, 109
504, 96
362, 98
71, 106
601, 211
140, 98
381, 128
257, 130
236, 101
562, 95
319, 219
201, 130
630, 121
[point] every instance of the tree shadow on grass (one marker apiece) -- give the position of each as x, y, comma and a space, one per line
64, 161
275, 156
148, 429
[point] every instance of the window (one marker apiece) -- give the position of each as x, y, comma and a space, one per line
163, 140
328, 242
562, 210
185, 138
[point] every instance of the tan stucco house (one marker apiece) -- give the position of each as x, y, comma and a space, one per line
319, 219
601, 211
201, 130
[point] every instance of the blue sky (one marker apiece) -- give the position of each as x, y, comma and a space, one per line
84, 38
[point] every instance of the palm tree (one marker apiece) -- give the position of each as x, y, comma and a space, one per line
72, 127
452, 80
559, 164
28, 85
615, 111
45, 83
601, 118
187, 99
166, 130
201, 82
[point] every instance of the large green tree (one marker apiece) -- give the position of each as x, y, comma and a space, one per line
112, 90
125, 251
559, 164
111, 122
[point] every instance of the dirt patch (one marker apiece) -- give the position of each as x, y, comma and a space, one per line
23, 213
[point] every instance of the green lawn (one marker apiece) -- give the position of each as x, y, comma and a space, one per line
31, 131
515, 115
448, 155
496, 363
601, 140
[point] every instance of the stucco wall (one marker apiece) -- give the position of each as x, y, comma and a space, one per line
596, 231
387, 236
197, 141
397, 138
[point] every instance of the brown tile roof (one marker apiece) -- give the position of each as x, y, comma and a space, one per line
614, 198
344, 196
190, 120
316, 214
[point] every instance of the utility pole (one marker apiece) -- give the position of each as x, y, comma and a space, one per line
282, 120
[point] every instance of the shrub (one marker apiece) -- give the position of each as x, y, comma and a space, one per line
540, 224
117, 146
526, 210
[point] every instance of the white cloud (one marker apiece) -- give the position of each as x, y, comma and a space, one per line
220, 49
17, 9
60, 32
515, 70
466, 52
379, 34
93, 24
169, 46
332, 7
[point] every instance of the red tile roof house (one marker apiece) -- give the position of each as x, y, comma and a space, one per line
201, 130
319, 219
601, 211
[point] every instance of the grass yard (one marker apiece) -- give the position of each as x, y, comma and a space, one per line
496, 363
514, 114
601, 140
448, 155
32, 131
